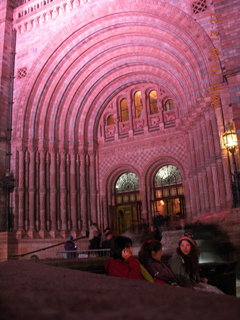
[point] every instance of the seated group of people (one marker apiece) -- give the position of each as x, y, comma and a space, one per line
182, 269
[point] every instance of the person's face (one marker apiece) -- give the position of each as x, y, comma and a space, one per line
185, 247
109, 237
127, 252
157, 254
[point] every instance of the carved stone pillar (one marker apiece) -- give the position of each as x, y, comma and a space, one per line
78, 193
192, 198
196, 187
215, 185
210, 189
31, 189
93, 190
58, 194
83, 191
144, 217
42, 192
47, 191
68, 195
227, 180
53, 194
73, 191
21, 201
63, 191
221, 183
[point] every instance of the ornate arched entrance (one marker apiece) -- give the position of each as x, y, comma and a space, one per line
169, 193
127, 211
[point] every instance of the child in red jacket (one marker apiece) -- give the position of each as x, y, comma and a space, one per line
123, 264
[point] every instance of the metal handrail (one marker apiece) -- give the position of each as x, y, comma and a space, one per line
46, 248
87, 252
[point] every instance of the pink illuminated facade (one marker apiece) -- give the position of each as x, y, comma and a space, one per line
118, 112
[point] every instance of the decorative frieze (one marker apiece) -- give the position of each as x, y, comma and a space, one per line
35, 13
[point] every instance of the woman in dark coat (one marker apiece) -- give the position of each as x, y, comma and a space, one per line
150, 257
184, 264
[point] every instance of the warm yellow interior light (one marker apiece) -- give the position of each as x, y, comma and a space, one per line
230, 139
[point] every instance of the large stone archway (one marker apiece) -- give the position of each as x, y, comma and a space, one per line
60, 163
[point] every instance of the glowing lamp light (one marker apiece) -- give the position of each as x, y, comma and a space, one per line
230, 139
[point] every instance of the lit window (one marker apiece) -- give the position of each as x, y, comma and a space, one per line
138, 103
153, 102
167, 176
124, 110
127, 182
169, 105
110, 120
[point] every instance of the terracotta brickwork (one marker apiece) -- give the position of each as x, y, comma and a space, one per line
75, 61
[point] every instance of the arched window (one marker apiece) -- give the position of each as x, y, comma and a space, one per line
127, 182
110, 120
128, 202
124, 110
138, 104
153, 102
167, 176
169, 193
169, 105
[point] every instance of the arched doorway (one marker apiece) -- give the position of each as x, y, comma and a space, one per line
127, 211
169, 193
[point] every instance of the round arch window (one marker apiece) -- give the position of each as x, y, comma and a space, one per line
127, 182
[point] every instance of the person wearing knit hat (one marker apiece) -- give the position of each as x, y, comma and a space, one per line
185, 265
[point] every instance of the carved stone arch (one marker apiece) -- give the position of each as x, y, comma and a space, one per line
110, 180
153, 166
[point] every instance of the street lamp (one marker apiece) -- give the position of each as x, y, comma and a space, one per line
230, 142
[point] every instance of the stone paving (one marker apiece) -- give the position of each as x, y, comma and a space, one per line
32, 290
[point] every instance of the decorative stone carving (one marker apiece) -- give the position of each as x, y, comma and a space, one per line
110, 131
138, 123
169, 116
154, 121
124, 126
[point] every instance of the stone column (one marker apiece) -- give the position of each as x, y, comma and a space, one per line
68, 195
92, 186
83, 191
205, 190
78, 193
21, 190
149, 203
210, 188
221, 183
144, 217
73, 191
53, 194
215, 184
31, 190
63, 191
196, 188
227, 180
42, 193
192, 197
58, 194
47, 190
104, 210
